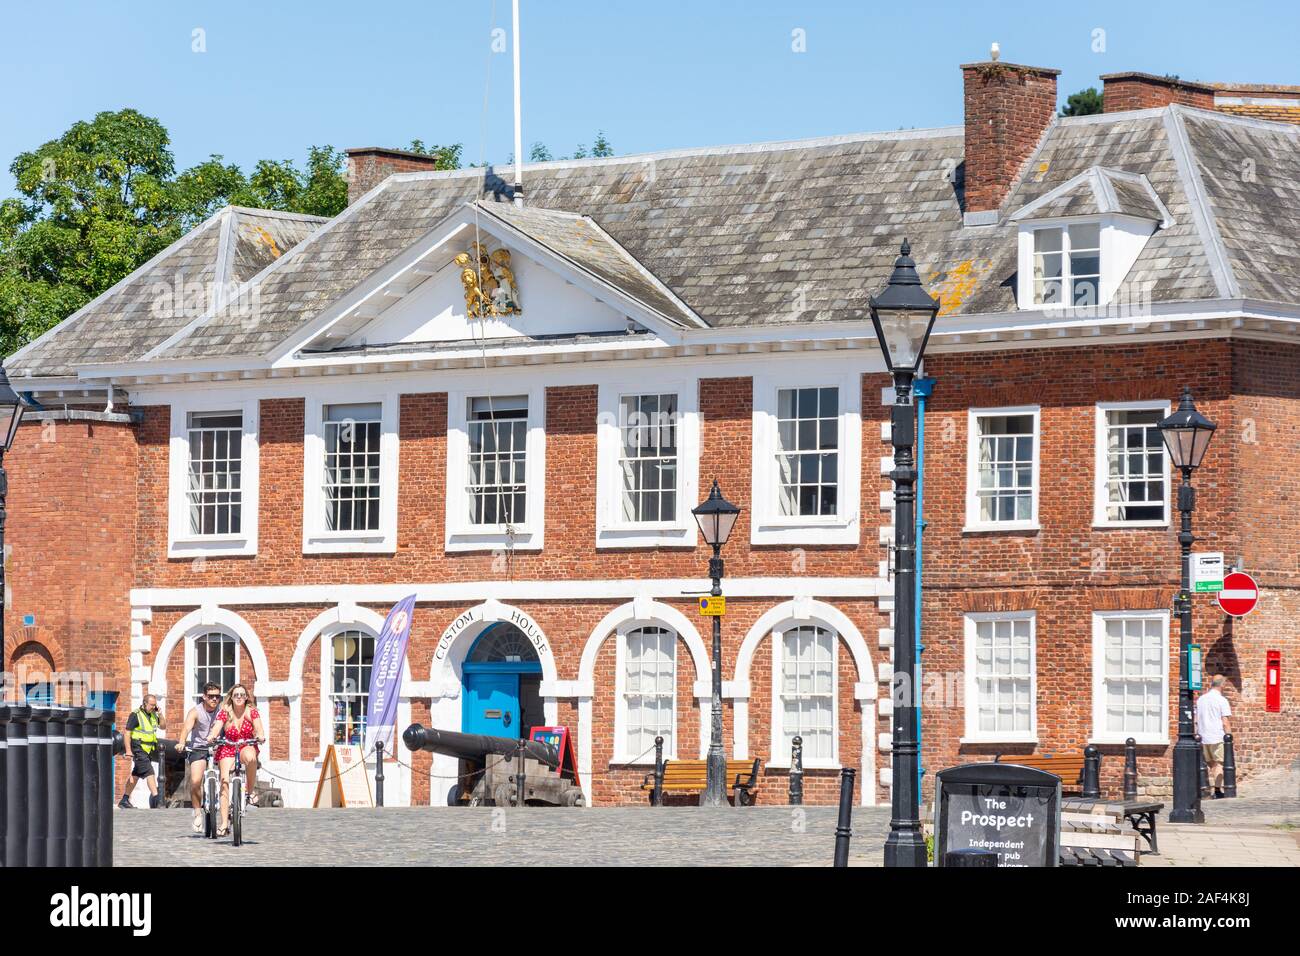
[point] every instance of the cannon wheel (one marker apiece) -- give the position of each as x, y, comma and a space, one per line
573, 798
504, 795
453, 795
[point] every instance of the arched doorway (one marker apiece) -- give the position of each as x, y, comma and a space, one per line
503, 676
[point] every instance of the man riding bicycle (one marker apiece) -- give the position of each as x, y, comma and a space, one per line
194, 740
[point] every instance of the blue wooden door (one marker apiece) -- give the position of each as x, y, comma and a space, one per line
491, 704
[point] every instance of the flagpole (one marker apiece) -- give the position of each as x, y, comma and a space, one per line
519, 128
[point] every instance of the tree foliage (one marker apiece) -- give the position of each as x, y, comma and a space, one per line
104, 198
1084, 103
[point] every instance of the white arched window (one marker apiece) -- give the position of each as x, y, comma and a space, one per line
645, 686
215, 658
347, 657
804, 693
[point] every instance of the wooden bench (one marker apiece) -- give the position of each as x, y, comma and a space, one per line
692, 775
1069, 767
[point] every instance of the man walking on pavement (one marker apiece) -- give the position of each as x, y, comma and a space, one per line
1212, 722
142, 743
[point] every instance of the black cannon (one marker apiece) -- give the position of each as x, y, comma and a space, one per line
503, 771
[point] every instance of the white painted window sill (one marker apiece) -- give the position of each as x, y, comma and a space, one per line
999, 740
649, 535
370, 542
1107, 525
212, 546
1001, 526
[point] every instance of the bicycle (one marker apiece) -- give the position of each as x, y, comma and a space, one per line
211, 795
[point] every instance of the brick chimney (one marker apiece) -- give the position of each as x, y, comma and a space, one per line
370, 165
1008, 108
1144, 91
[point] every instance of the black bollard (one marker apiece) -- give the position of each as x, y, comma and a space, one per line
90, 755
56, 787
844, 826
970, 857
74, 793
38, 784
1203, 771
1130, 769
379, 773
796, 771
657, 794
1229, 768
4, 773
1091, 773
15, 784
111, 744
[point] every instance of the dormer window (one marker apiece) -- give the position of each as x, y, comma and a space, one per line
1079, 240
1067, 264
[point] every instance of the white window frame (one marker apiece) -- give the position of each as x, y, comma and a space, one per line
1122, 240
973, 522
316, 538
972, 734
326, 642
612, 531
621, 756
1101, 474
1099, 734
780, 752
181, 543
767, 524
461, 535
192, 656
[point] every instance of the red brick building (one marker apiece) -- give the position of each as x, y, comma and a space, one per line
307, 421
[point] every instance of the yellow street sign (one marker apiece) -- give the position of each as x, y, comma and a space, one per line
713, 606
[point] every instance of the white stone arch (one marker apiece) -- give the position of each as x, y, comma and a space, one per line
805, 610
446, 679
636, 613
204, 620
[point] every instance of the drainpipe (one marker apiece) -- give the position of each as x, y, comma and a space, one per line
921, 389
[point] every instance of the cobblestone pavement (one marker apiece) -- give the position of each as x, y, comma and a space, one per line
537, 836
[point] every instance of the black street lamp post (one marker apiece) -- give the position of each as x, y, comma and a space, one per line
11, 415
1187, 434
716, 517
903, 315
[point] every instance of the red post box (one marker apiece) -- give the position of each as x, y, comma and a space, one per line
1273, 682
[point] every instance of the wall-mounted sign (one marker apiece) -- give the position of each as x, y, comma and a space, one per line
1194, 666
1012, 810
1207, 571
713, 606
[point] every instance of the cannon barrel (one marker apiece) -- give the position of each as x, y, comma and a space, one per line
474, 746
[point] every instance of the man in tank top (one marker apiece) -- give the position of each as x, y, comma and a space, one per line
194, 740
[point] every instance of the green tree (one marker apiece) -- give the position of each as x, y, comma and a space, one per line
601, 148
448, 156
1084, 103
104, 198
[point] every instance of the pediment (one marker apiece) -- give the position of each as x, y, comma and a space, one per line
491, 274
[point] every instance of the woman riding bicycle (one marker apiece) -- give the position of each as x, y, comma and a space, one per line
240, 723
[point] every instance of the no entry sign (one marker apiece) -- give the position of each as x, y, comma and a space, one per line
1239, 594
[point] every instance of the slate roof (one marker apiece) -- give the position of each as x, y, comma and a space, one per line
785, 234
172, 289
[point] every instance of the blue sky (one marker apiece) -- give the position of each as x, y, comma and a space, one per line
279, 76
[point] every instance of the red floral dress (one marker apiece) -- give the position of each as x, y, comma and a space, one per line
241, 733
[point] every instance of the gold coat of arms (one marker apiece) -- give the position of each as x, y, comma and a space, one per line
490, 289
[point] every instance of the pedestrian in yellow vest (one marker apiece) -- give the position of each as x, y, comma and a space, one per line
142, 747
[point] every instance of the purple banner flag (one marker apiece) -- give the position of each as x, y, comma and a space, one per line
386, 674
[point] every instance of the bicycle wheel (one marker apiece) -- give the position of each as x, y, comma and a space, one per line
211, 807
236, 812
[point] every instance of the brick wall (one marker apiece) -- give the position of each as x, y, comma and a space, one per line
71, 541
368, 167
1008, 107
1140, 91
